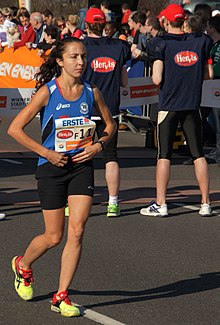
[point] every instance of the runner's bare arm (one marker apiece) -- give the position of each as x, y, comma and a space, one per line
16, 129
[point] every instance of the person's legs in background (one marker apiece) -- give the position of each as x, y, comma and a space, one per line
167, 123
112, 170
215, 153
208, 132
192, 125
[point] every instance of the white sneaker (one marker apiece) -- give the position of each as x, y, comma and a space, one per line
205, 210
155, 210
2, 216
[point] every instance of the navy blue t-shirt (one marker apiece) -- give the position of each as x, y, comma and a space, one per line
184, 57
105, 59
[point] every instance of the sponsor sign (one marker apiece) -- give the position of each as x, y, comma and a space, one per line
3, 101
211, 93
18, 67
14, 100
143, 91
140, 91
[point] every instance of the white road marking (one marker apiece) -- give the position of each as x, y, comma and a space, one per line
192, 207
99, 318
15, 162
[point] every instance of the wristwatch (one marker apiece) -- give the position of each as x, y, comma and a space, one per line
102, 144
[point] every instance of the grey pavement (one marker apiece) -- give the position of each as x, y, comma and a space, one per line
134, 269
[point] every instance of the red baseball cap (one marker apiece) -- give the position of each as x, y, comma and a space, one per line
95, 15
173, 13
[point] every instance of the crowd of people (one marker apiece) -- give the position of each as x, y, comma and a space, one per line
79, 85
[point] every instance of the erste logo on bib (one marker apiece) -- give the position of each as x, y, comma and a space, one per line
186, 58
103, 64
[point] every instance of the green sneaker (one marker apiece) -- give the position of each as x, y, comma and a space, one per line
67, 211
62, 304
113, 210
23, 279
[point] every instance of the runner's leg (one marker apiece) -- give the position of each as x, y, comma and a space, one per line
54, 227
79, 210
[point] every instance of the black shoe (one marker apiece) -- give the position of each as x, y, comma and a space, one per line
188, 162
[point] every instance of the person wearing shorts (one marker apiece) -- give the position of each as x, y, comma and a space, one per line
180, 63
65, 170
106, 68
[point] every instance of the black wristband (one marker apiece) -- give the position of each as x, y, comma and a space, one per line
102, 144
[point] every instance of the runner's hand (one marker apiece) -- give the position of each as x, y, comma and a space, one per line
56, 158
87, 154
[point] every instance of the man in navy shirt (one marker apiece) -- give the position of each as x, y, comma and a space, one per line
181, 61
106, 58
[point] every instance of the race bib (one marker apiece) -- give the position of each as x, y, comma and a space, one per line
73, 134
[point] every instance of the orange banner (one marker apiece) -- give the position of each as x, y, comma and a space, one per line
18, 67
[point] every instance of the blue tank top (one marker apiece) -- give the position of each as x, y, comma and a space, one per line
59, 118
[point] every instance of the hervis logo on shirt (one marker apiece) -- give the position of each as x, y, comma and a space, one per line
186, 58
103, 64
65, 134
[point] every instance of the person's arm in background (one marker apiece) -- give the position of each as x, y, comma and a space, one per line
157, 74
124, 77
78, 33
142, 55
135, 41
182, 3
208, 70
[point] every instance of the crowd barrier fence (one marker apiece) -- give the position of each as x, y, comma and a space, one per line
18, 67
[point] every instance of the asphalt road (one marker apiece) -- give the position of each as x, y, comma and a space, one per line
134, 269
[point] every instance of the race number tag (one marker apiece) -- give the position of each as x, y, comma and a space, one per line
73, 133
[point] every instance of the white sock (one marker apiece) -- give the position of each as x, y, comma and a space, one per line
113, 200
